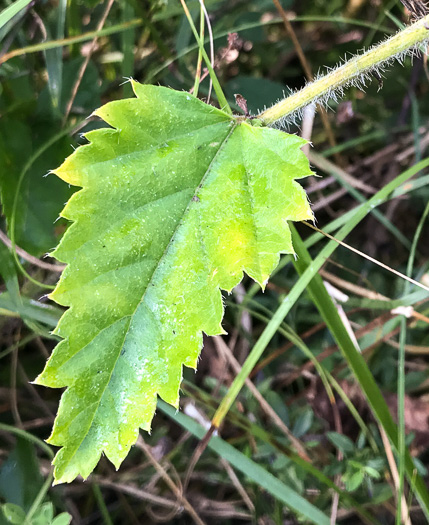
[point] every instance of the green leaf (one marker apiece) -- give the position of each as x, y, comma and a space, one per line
62, 519
40, 198
54, 57
31, 310
44, 514
8, 273
372, 472
13, 513
20, 478
303, 422
12, 10
178, 199
343, 443
355, 481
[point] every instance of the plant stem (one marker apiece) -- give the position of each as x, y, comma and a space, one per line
200, 55
29, 437
21, 176
218, 90
323, 88
38, 500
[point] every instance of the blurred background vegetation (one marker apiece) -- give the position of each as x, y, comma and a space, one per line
59, 61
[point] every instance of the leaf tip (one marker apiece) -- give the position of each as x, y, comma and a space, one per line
68, 173
38, 380
134, 85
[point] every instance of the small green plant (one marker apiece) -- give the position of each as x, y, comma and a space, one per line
360, 468
44, 515
178, 199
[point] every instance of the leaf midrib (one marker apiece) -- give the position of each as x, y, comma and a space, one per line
97, 403
249, 191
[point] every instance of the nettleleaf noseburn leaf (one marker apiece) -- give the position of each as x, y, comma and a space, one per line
177, 200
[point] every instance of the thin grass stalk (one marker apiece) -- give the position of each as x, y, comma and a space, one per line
200, 56
218, 90
401, 372
357, 364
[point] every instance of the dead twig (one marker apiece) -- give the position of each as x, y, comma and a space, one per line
266, 407
30, 258
177, 491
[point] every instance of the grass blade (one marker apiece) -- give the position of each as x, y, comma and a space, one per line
8, 13
252, 470
357, 364
54, 59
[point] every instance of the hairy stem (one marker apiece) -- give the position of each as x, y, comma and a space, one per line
323, 88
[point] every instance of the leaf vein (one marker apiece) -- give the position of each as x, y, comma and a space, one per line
155, 270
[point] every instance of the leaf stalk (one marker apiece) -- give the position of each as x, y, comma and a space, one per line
353, 72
